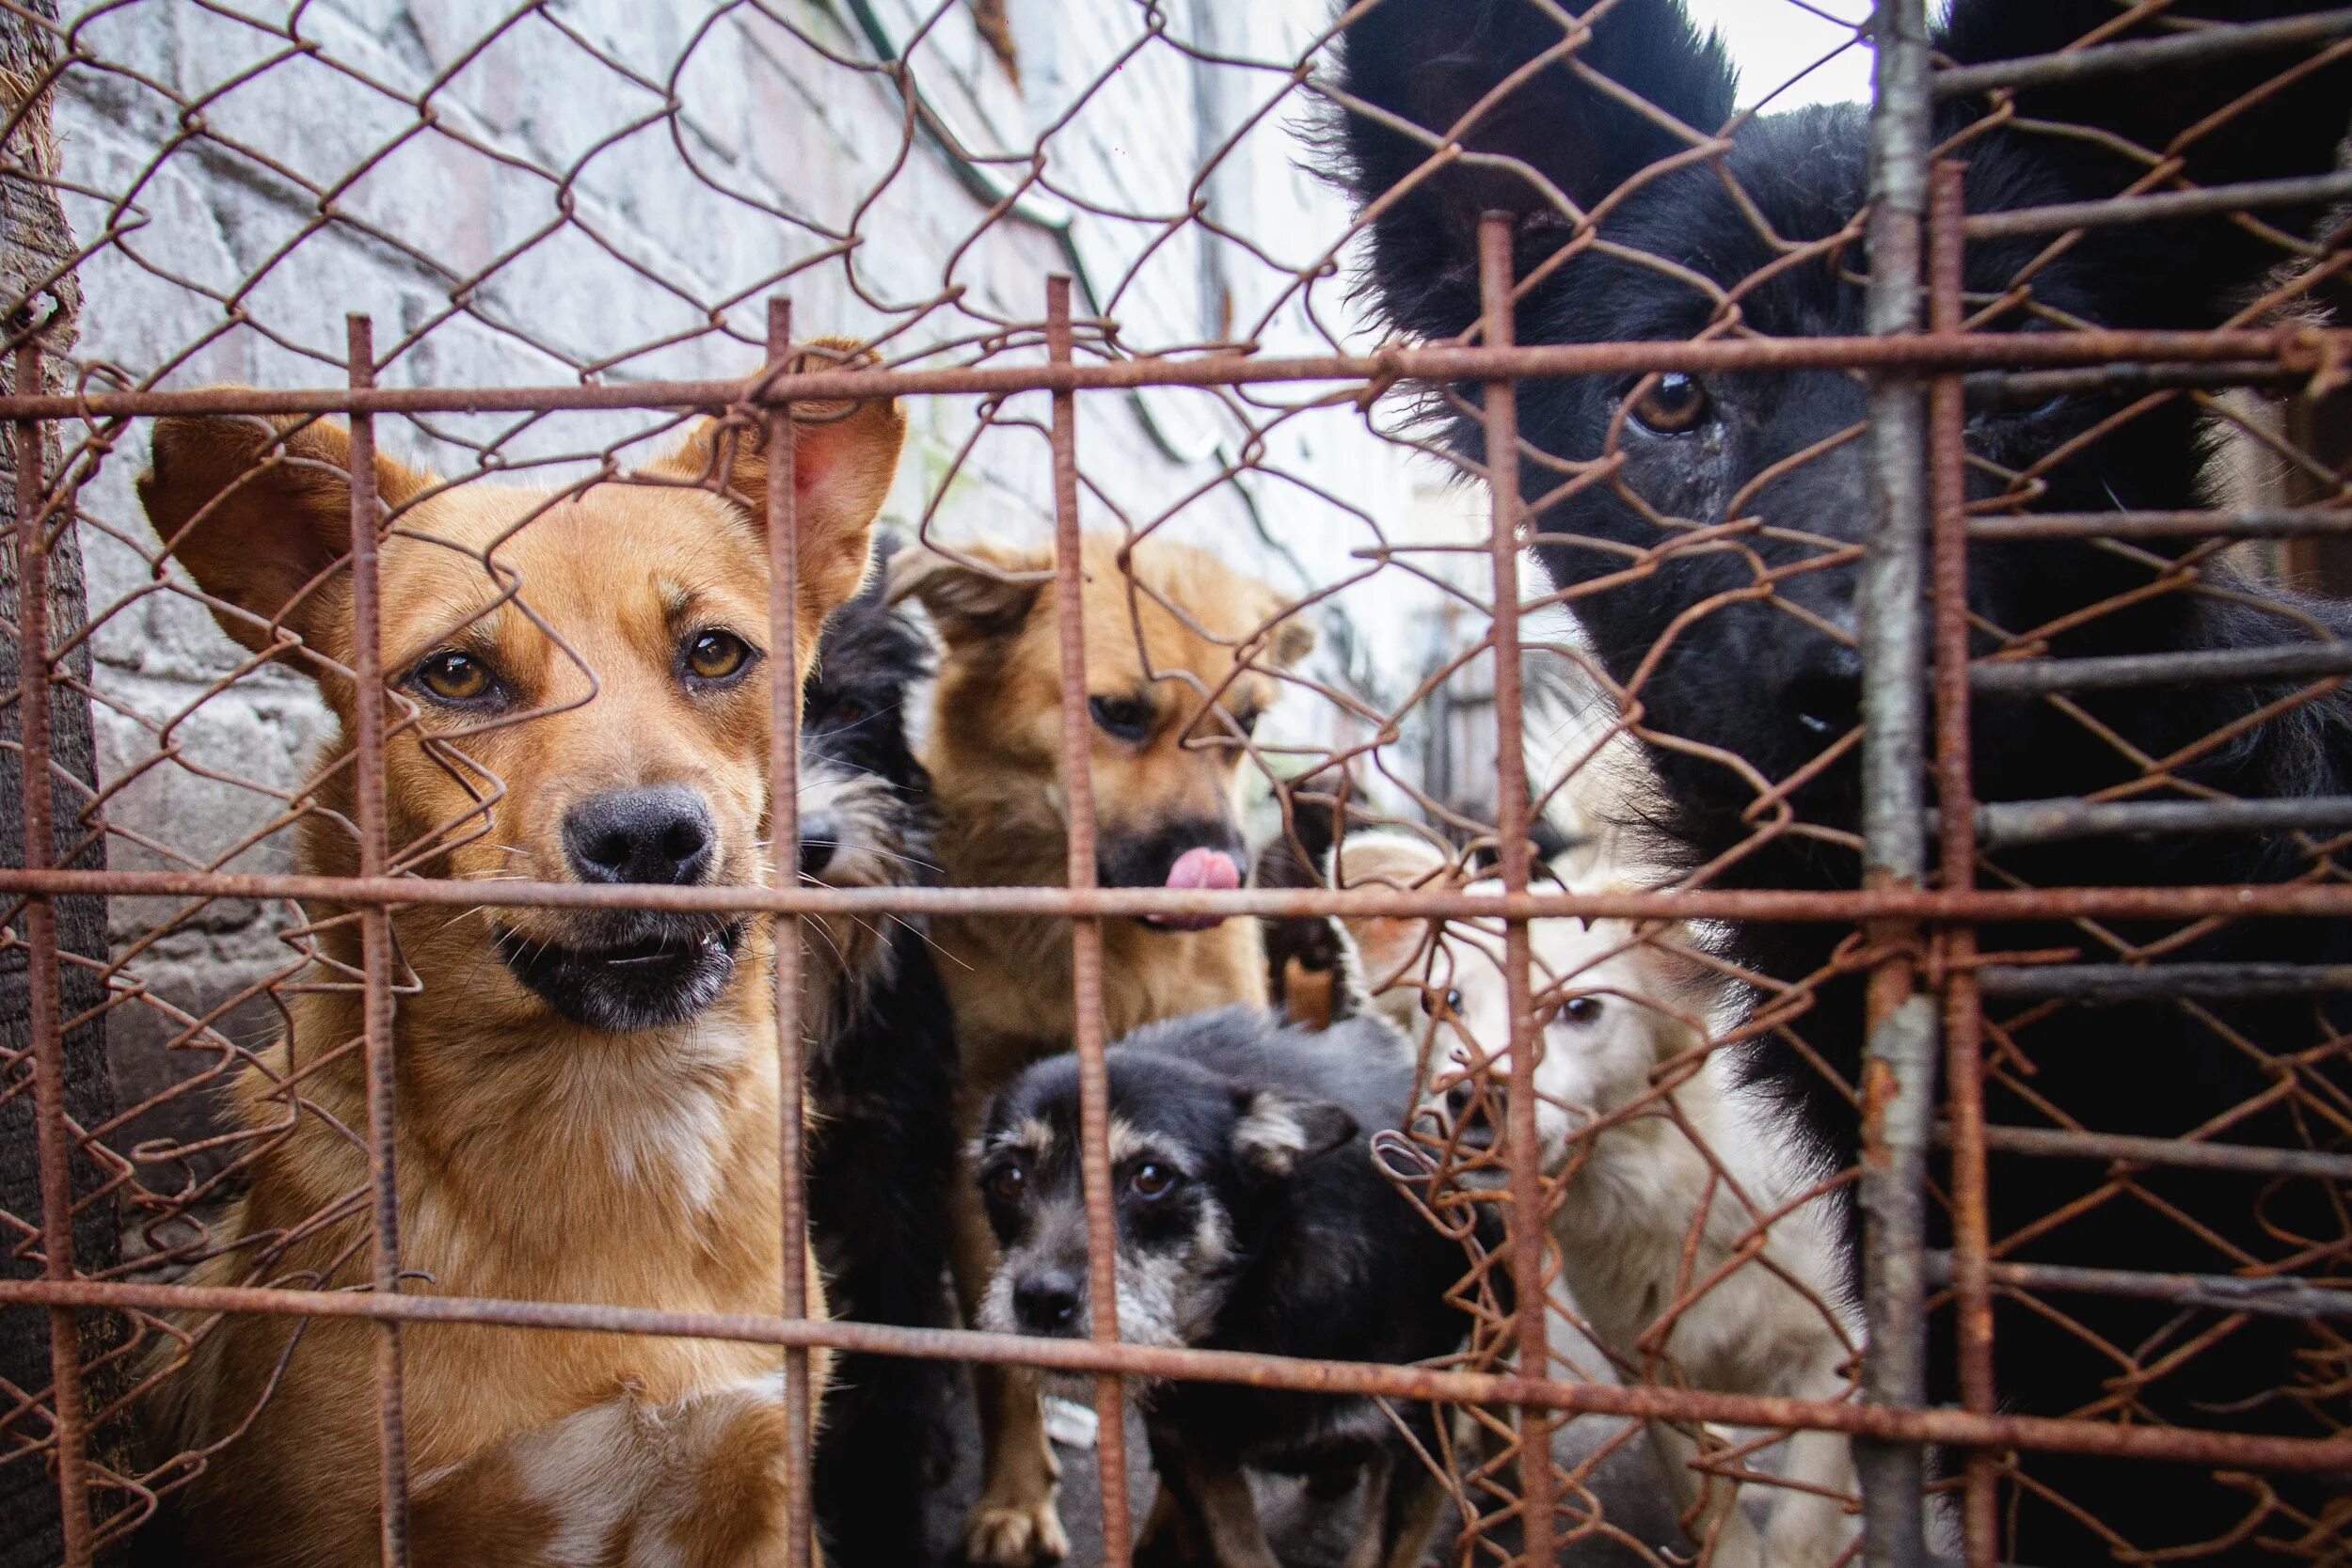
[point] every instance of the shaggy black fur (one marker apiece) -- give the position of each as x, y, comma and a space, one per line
1752, 679
1281, 1233
883, 1080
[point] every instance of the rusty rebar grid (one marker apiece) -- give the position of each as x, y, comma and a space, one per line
1922, 953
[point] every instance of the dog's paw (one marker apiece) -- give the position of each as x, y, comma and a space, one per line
1015, 1534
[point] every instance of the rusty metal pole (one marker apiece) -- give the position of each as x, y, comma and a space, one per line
1956, 818
1086, 940
1898, 1067
1530, 1235
376, 945
53, 1139
784, 836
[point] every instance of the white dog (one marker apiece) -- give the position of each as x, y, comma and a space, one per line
1676, 1233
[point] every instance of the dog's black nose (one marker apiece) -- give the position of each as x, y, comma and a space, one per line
661, 835
1046, 1302
821, 838
1823, 686
1474, 1114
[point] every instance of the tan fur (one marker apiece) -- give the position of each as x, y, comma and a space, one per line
1166, 624
537, 1159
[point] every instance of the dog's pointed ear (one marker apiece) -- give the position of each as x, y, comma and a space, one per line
1386, 944
259, 512
1554, 138
2235, 118
1291, 638
1275, 1134
985, 590
845, 457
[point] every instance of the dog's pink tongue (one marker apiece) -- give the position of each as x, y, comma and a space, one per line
1212, 869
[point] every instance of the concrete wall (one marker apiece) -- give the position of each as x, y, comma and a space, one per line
612, 189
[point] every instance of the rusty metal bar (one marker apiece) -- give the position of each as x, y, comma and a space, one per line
2089, 985
2042, 677
2183, 1153
375, 950
2162, 206
2283, 900
1529, 1234
1086, 940
2277, 1297
1957, 829
2293, 348
1898, 1065
1646, 1402
2257, 522
2026, 389
783, 861
2009, 823
52, 1139
2141, 54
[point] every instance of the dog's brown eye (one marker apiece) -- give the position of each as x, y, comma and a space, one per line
1674, 406
1151, 1178
1008, 1181
1580, 1009
1123, 716
1247, 723
714, 656
453, 677
1447, 1004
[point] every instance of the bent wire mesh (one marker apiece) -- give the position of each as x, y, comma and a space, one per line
1512, 781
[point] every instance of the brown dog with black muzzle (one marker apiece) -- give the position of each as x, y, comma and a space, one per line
587, 1099
1181, 655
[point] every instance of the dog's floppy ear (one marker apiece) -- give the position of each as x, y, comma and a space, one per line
259, 512
845, 456
1276, 1133
1387, 944
1435, 63
985, 590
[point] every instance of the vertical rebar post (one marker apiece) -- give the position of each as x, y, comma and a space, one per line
375, 943
1528, 1233
1086, 937
783, 860
53, 1140
1956, 822
1899, 1069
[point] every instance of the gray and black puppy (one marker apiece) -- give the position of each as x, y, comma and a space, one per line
1251, 1217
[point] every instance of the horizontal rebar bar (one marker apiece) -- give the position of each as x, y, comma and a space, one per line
2253, 522
2009, 823
2042, 677
1984, 905
2140, 55
2270, 1298
2032, 388
2162, 206
2175, 1445
2181, 1153
2092, 984
2294, 347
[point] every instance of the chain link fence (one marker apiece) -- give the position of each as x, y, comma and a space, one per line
1848, 835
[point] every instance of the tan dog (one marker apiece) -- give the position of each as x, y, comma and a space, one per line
587, 1102
1173, 693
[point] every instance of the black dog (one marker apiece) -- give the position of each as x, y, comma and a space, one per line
1774, 679
1250, 1218
883, 1079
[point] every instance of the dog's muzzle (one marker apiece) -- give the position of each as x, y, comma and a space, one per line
656, 970
1204, 855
